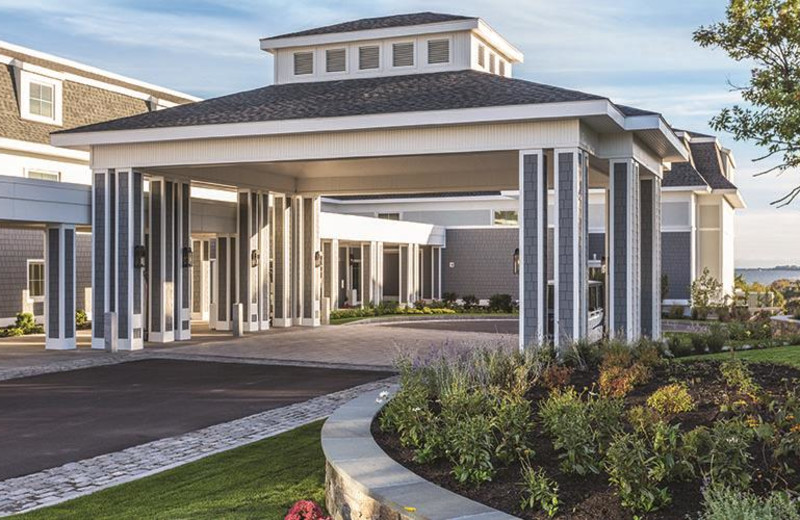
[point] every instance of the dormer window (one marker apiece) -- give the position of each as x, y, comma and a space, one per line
438, 51
403, 54
40, 99
303, 63
481, 56
369, 57
336, 60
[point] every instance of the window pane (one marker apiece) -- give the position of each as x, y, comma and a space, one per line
41, 100
35, 279
47, 176
389, 216
506, 218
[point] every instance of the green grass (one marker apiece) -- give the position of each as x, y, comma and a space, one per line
260, 480
786, 355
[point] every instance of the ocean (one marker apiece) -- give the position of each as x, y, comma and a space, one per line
767, 276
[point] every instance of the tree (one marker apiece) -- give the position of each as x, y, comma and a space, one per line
766, 33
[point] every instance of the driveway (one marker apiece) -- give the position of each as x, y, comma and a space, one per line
52, 419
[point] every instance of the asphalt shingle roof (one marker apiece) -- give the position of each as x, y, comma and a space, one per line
633, 111
707, 161
352, 97
383, 22
683, 174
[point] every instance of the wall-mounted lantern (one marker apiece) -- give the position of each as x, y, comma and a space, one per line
187, 257
318, 259
254, 257
352, 259
515, 260
139, 257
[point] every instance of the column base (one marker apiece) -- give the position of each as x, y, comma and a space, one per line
183, 335
282, 323
310, 322
251, 327
224, 326
162, 337
60, 344
264, 325
130, 346
98, 343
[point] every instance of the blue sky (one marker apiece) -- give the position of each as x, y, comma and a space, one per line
635, 52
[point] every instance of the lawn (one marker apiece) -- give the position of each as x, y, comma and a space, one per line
260, 480
786, 355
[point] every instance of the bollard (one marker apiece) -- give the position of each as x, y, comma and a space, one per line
110, 335
238, 319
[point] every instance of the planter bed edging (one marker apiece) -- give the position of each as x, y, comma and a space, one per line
363, 483
410, 318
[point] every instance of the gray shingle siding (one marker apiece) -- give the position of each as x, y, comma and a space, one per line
483, 262
647, 198
676, 263
620, 201
566, 279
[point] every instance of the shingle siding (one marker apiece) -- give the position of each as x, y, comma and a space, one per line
676, 263
483, 262
17, 246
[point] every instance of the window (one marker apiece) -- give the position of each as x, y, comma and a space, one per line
481, 56
35, 278
336, 60
506, 218
438, 51
389, 216
491, 63
403, 54
303, 63
43, 175
42, 100
369, 58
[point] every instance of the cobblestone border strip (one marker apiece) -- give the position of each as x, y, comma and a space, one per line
75, 479
101, 359
362, 481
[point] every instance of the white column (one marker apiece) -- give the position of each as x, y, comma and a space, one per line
59, 287
183, 255
264, 238
311, 254
283, 262
378, 272
249, 258
623, 255
298, 260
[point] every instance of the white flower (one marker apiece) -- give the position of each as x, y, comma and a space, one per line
416, 409
384, 394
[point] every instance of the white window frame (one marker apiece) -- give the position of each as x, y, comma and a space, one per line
57, 173
31, 297
414, 52
313, 64
26, 78
449, 51
346, 60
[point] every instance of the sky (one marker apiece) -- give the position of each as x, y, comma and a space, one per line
636, 52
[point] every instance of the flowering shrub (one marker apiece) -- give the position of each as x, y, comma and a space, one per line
671, 400
618, 381
306, 510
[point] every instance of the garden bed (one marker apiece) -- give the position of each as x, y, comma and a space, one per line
716, 400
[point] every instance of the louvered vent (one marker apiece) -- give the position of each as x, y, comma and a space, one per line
491, 63
502, 68
369, 57
335, 60
481, 56
403, 54
303, 63
438, 51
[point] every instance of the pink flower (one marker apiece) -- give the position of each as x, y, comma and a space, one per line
306, 510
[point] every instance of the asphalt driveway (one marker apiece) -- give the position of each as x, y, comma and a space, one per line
52, 419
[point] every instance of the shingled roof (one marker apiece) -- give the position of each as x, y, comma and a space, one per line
383, 22
704, 170
683, 175
352, 97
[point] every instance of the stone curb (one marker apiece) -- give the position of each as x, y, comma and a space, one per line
75, 479
362, 481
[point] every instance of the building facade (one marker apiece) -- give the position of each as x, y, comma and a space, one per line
39, 94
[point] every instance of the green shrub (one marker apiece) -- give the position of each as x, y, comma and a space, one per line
677, 312
470, 446
698, 342
501, 303
81, 319
737, 375
678, 345
716, 338
26, 322
793, 307
671, 400
10, 332
721, 503
629, 464
539, 492
470, 301
409, 415
727, 458
512, 424
449, 298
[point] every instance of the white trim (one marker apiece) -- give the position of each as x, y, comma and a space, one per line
449, 40
25, 78
414, 57
36, 299
16, 145
91, 70
687, 189
567, 110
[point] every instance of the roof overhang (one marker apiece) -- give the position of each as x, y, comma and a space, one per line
659, 135
474, 25
733, 197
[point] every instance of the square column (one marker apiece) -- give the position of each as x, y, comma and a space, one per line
283, 262
623, 255
183, 262
253, 254
409, 270
117, 221
378, 294
436, 270
225, 277
571, 258
532, 243
168, 277
297, 260
59, 287
311, 264
265, 222
650, 192
330, 269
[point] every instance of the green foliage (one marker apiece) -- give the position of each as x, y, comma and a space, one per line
793, 307
722, 503
706, 291
699, 343
766, 35
26, 322
671, 400
677, 312
737, 375
470, 446
723, 452
581, 428
630, 466
449, 298
716, 338
539, 492
679, 345
470, 301
410, 416
81, 319
512, 424
501, 303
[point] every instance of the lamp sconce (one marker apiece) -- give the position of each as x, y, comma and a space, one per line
352, 259
187, 257
317, 259
254, 257
515, 260
139, 257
